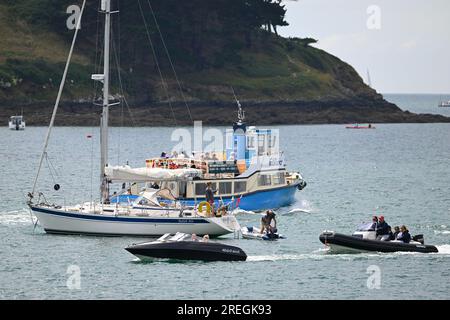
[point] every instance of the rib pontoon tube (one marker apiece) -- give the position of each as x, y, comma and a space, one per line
341, 242
186, 250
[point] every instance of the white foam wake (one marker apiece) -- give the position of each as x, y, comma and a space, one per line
241, 211
297, 210
277, 257
444, 249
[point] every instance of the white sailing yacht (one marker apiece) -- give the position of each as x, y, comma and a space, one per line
144, 216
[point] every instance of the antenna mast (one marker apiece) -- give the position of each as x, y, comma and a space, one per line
241, 112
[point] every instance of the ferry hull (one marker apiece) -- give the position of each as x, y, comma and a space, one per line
61, 222
260, 200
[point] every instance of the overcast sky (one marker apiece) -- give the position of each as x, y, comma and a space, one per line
405, 44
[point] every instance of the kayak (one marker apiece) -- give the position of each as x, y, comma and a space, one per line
255, 234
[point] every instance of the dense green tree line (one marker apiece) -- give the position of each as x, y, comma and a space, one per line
198, 33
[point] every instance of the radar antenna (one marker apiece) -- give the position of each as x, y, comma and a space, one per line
241, 112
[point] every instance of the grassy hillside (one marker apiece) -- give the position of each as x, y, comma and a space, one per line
210, 55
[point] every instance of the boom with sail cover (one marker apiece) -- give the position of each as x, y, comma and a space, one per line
126, 173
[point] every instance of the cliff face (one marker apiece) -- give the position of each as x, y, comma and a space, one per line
278, 80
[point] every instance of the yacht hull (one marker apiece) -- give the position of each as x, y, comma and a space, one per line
56, 221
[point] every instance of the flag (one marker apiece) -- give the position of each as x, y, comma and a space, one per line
238, 202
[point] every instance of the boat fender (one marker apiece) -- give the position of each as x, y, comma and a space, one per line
302, 185
202, 205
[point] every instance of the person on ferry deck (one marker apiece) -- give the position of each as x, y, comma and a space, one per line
404, 235
382, 228
214, 157
209, 193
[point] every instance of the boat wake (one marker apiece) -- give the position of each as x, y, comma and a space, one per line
15, 217
278, 257
444, 249
303, 207
241, 211
299, 210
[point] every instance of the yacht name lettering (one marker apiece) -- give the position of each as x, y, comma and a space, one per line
201, 311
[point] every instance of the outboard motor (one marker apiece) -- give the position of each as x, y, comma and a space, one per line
419, 238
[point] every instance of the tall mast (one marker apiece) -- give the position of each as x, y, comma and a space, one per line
106, 8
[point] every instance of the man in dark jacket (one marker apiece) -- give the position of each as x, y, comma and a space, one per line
382, 228
209, 194
396, 232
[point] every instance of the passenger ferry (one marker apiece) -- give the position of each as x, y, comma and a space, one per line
251, 174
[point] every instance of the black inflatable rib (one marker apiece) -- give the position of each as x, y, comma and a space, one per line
188, 250
359, 244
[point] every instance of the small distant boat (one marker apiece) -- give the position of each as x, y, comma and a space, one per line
16, 123
182, 246
255, 233
360, 126
444, 104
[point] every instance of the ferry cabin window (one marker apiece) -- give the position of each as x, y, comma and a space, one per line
225, 187
200, 188
261, 145
278, 178
264, 180
240, 186
251, 142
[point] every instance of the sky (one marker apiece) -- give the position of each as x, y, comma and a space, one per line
405, 44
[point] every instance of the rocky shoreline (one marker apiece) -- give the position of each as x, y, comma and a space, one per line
220, 113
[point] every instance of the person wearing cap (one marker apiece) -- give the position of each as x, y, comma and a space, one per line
266, 223
382, 228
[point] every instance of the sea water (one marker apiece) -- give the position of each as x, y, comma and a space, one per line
401, 171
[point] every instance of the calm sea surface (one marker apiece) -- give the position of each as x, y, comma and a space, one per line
400, 171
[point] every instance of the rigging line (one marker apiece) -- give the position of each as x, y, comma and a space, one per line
118, 69
118, 63
52, 166
122, 91
170, 61
58, 98
156, 62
